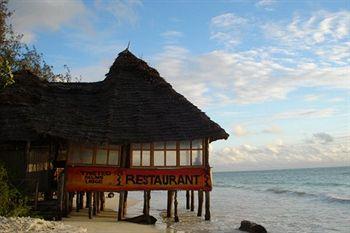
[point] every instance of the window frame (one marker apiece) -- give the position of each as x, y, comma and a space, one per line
177, 149
94, 148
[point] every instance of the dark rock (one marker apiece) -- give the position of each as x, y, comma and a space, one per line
142, 219
257, 229
245, 225
251, 227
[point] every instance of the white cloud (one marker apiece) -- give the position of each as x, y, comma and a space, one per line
122, 10
306, 113
311, 97
302, 33
279, 155
322, 138
227, 28
273, 129
240, 131
172, 34
266, 4
31, 16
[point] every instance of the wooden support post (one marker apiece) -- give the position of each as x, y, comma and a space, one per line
169, 204
187, 199
87, 204
97, 202
70, 202
89, 200
207, 205
125, 206
192, 200
147, 200
94, 203
36, 195
176, 217
144, 202
103, 200
121, 203
200, 203
81, 200
77, 203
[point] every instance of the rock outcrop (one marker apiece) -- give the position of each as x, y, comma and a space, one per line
252, 227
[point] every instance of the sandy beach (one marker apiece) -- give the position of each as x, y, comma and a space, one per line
106, 221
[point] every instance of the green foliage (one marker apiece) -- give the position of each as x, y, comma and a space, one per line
12, 202
6, 76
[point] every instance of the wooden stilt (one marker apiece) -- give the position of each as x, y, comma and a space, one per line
89, 199
200, 203
36, 195
187, 199
144, 202
148, 198
103, 200
70, 208
81, 200
94, 204
207, 205
121, 203
77, 203
97, 202
192, 200
87, 204
169, 204
125, 206
176, 217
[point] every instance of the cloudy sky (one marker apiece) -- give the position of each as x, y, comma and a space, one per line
274, 74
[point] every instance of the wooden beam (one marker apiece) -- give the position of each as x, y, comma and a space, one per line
192, 200
187, 199
176, 217
207, 205
200, 203
169, 204
87, 204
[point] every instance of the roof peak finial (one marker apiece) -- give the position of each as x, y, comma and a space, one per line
127, 48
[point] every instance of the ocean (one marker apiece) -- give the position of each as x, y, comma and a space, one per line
315, 200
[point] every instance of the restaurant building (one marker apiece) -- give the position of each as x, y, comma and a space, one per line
130, 132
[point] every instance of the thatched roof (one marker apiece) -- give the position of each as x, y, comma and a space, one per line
132, 104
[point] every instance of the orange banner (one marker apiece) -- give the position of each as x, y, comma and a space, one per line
117, 179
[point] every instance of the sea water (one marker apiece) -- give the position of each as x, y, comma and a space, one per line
315, 200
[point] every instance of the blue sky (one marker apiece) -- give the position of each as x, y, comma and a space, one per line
274, 74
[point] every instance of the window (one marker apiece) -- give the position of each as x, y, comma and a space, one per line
141, 155
167, 154
101, 156
113, 157
94, 155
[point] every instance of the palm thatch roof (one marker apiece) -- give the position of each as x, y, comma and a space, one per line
132, 104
